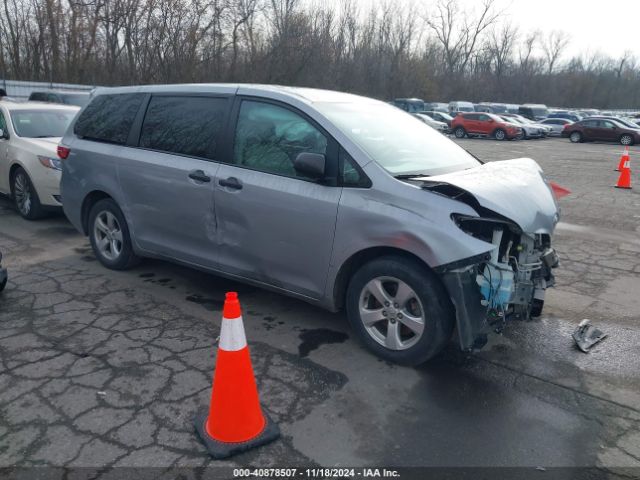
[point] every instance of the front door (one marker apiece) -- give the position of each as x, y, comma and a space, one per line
275, 226
168, 179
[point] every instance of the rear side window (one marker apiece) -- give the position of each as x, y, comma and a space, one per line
183, 125
108, 118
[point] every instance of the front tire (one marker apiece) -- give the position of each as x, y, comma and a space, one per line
399, 310
25, 196
499, 134
460, 132
109, 236
626, 140
575, 137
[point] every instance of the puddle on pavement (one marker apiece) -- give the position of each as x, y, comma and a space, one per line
312, 339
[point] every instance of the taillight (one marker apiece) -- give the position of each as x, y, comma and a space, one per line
63, 152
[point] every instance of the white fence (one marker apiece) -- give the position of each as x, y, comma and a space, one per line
22, 90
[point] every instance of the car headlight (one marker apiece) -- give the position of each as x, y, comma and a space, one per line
49, 162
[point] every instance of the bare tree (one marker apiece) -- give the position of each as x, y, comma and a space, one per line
459, 31
553, 46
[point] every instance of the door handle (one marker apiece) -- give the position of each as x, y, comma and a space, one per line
231, 182
199, 176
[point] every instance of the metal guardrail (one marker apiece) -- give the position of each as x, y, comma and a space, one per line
21, 89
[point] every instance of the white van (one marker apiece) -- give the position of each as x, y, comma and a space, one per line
455, 107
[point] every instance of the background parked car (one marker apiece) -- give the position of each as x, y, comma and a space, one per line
529, 129
626, 122
29, 164
603, 130
533, 111
520, 120
459, 106
484, 124
573, 116
79, 99
442, 127
437, 107
410, 105
440, 117
556, 125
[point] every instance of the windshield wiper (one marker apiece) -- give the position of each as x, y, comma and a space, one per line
409, 176
44, 136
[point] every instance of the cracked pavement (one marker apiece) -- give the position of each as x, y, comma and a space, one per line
101, 369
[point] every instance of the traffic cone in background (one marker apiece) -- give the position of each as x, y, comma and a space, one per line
624, 181
559, 191
623, 158
235, 422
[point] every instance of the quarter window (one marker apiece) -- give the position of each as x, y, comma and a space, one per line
183, 125
350, 173
108, 118
269, 138
3, 124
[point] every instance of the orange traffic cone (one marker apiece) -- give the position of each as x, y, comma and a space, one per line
234, 422
623, 158
624, 181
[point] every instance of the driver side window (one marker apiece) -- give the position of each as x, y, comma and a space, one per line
269, 138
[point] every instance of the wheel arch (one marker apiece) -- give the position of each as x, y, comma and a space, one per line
357, 260
89, 201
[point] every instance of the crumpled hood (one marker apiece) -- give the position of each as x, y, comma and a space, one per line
515, 189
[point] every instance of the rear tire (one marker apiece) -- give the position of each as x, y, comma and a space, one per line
460, 132
109, 236
575, 137
25, 196
418, 318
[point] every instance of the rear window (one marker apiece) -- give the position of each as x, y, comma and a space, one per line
183, 125
108, 118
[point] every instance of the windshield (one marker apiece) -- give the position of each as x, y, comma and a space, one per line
78, 100
41, 123
398, 142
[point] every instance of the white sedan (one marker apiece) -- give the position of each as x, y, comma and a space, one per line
29, 166
435, 124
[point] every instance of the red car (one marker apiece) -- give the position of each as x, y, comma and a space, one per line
604, 130
484, 124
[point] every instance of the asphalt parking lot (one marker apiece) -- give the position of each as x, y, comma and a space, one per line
102, 368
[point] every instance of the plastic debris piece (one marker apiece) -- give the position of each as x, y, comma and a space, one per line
586, 335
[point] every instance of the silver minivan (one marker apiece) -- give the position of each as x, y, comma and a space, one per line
342, 201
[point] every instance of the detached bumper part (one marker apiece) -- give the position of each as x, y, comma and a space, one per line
586, 335
471, 315
3, 278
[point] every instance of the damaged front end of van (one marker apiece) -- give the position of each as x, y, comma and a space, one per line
516, 215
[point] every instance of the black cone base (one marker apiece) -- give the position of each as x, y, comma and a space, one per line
220, 450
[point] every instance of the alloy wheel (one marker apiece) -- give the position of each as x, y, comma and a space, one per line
626, 140
108, 235
392, 313
22, 193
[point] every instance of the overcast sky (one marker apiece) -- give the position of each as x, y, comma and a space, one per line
606, 26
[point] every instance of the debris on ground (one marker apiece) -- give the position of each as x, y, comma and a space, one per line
586, 335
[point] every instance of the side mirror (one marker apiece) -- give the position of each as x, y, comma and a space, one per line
4, 135
311, 165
